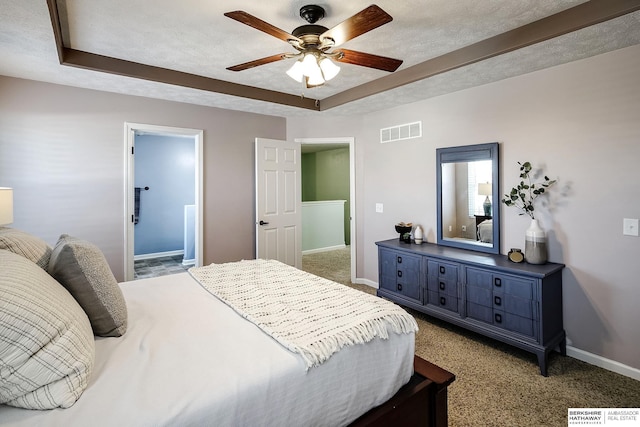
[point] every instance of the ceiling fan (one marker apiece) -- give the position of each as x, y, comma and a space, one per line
315, 44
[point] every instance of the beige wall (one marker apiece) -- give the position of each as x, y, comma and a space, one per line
63, 151
581, 121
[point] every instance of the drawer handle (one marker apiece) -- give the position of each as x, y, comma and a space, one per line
399, 287
498, 318
399, 273
442, 286
399, 260
497, 281
443, 301
497, 300
442, 269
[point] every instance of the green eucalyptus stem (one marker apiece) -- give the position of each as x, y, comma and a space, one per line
526, 192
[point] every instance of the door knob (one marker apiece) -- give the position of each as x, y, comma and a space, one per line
263, 222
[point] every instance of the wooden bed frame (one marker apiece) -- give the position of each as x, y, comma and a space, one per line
420, 402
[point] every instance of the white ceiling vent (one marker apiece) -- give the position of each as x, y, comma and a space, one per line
398, 133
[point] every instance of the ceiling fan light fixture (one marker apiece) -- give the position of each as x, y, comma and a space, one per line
315, 78
329, 68
295, 72
309, 64
316, 68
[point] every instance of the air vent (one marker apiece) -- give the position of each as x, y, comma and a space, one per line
398, 133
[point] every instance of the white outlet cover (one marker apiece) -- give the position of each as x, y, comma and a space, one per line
630, 226
379, 207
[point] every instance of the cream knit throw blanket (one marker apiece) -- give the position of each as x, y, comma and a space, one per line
309, 315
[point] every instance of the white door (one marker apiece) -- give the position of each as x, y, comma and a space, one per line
278, 192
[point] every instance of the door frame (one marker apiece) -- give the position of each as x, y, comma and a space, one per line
349, 140
130, 130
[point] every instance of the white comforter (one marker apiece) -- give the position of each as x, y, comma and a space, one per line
188, 359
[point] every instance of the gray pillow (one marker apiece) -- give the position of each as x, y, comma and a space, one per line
47, 348
82, 268
26, 245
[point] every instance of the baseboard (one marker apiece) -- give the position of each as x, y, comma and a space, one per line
327, 249
157, 255
189, 262
601, 362
366, 282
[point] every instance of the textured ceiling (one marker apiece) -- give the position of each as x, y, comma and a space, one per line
193, 36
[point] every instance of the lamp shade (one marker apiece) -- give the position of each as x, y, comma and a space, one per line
6, 205
295, 72
484, 189
329, 69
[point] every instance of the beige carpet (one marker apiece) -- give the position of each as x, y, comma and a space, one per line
496, 384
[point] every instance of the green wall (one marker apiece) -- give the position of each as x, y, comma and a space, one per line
325, 176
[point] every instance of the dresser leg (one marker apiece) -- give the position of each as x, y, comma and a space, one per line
563, 346
543, 357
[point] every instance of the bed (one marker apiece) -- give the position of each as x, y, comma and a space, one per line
188, 357
485, 231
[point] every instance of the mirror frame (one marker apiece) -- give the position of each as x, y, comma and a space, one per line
488, 151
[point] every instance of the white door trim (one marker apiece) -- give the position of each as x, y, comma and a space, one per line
129, 179
352, 187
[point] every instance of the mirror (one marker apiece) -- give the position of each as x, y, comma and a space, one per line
469, 197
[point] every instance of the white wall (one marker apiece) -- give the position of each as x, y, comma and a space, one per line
581, 121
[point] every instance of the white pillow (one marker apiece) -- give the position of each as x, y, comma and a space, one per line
47, 347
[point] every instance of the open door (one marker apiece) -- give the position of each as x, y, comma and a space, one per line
278, 204
129, 232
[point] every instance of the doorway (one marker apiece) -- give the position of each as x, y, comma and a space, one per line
320, 144
151, 139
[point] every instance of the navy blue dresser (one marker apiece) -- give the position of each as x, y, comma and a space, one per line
519, 304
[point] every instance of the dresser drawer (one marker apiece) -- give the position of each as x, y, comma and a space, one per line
443, 301
387, 262
515, 323
480, 312
400, 274
512, 304
505, 283
513, 286
502, 320
443, 270
408, 269
479, 278
442, 278
478, 295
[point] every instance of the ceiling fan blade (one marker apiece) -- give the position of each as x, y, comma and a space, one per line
366, 20
367, 60
261, 25
257, 62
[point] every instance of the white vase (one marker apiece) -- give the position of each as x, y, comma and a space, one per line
535, 244
417, 235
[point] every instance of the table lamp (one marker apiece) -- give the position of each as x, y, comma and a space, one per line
6, 205
485, 190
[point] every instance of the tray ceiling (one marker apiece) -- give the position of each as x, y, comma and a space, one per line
194, 38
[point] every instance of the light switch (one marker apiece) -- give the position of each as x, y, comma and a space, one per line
379, 207
630, 226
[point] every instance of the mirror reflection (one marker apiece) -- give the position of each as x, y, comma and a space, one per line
467, 195
466, 202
